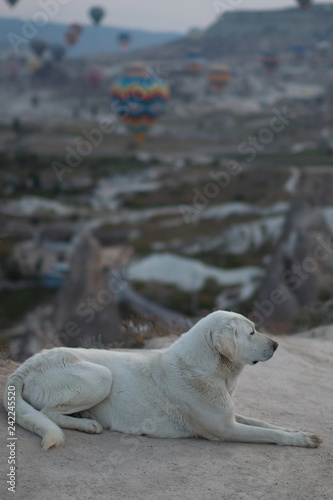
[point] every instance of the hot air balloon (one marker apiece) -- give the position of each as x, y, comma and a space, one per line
139, 100
195, 62
58, 51
124, 40
97, 14
34, 64
12, 2
219, 77
304, 4
94, 76
299, 51
76, 27
73, 34
38, 45
270, 61
195, 34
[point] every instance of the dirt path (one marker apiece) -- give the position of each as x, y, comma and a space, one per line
293, 389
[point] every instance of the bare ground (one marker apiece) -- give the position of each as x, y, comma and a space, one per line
293, 389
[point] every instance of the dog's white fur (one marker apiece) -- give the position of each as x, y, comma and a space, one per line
182, 391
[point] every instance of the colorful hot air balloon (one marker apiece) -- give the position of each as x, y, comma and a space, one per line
34, 64
73, 34
219, 77
38, 45
124, 40
94, 76
195, 62
97, 14
270, 61
139, 100
304, 4
58, 51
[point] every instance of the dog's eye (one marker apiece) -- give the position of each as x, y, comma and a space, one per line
252, 333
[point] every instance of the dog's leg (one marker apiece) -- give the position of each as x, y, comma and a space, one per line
259, 423
82, 387
66, 422
251, 434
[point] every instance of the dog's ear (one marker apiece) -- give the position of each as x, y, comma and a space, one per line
225, 342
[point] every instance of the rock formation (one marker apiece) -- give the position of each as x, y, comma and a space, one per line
300, 272
86, 310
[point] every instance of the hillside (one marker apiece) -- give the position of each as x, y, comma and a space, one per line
93, 40
243, 33
248, 31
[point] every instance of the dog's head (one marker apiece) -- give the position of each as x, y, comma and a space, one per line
236, 338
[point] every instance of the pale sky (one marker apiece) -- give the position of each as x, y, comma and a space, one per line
153, 15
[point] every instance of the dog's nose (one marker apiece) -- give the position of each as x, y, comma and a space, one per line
275, 345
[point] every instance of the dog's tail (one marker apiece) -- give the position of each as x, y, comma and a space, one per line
28, 417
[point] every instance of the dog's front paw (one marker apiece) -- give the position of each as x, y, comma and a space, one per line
308, 440
315, 441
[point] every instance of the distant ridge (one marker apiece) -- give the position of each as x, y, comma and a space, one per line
277, 29
94, 40
246, 33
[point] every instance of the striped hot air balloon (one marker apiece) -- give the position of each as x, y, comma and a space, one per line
139, 100
270, 61
124, 40
219, 77
195, 62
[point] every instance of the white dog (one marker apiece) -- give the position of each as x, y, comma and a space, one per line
182, 391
